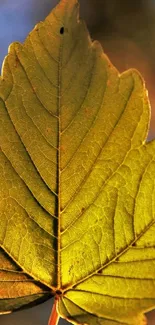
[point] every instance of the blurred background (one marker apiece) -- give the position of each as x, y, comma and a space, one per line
126, 30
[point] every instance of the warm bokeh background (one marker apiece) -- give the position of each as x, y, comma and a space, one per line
126, 30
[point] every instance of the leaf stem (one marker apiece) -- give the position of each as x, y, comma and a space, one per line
54, 317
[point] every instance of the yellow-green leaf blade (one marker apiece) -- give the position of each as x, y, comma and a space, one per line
28, 161
77, 199
16, 288
77, 314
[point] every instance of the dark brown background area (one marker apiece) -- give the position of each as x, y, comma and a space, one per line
126, 29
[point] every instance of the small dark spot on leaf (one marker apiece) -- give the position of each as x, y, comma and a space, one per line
62, 30
16, 62
99, 272
70, 269
82, 210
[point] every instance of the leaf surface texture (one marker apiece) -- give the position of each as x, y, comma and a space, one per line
77, 196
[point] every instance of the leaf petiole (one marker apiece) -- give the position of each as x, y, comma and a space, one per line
54, 317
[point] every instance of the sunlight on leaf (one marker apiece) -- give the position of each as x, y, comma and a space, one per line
77, 198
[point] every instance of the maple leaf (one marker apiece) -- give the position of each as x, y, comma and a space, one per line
77, 194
